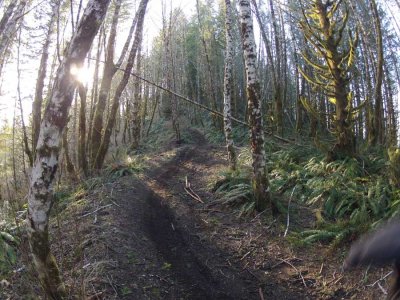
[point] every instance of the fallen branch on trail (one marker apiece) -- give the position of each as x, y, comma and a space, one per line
95, 211
191, 193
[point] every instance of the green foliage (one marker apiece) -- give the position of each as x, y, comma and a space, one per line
349, 195
240, 134
166, 266
394, 165
8, 251
62, 197
124, 163
131, 165
335, 234
236, 190
160, 135
126, 291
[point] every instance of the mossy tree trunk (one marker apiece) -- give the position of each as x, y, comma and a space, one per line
260, 174
332, 76
136, 106
278, 102
40, 198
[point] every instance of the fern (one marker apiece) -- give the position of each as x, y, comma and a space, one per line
8, 251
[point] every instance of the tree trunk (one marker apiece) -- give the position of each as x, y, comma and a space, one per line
136, 105
391, 119
9, 32
37, 102
260, 174
95, 92
211, 88
7, 15
24, 131
40, 198
228, 86
278, 111
68, 161
325, 34
108, 74
377, 136
121, 86
83, 164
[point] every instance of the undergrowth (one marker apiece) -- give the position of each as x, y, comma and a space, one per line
349, 196
8, 250
235, 190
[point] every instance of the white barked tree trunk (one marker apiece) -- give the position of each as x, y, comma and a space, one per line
40, 198
260, 174
228, 86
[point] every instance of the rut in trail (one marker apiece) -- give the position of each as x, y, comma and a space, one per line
155, 224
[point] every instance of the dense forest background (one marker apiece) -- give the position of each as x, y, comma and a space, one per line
303, 94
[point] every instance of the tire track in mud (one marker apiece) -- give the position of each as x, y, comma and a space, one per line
195, 264
156, 243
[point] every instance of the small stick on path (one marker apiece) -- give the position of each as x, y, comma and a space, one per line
297, 270
191, 193
95, 211
261, 294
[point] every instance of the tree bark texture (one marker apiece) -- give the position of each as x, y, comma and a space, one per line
260, 174
228, 84
37, 102
332, 77
83, 164
40, 197
7, 15
378, 128
136, 106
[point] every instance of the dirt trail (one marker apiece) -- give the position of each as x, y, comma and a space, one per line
155, 243
158, 246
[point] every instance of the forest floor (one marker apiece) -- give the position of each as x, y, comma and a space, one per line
150, 236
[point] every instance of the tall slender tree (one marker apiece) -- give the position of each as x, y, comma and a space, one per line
38, 100
260, 175
40, 198
228, 84
376, 132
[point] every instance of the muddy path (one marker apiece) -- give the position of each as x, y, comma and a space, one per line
155, 245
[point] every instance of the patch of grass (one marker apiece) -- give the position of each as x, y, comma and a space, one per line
125, 291
155, 291
213, 135
159, 136
63, 197
132, 258
235, 190
132, 164
166, 266
8, 251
